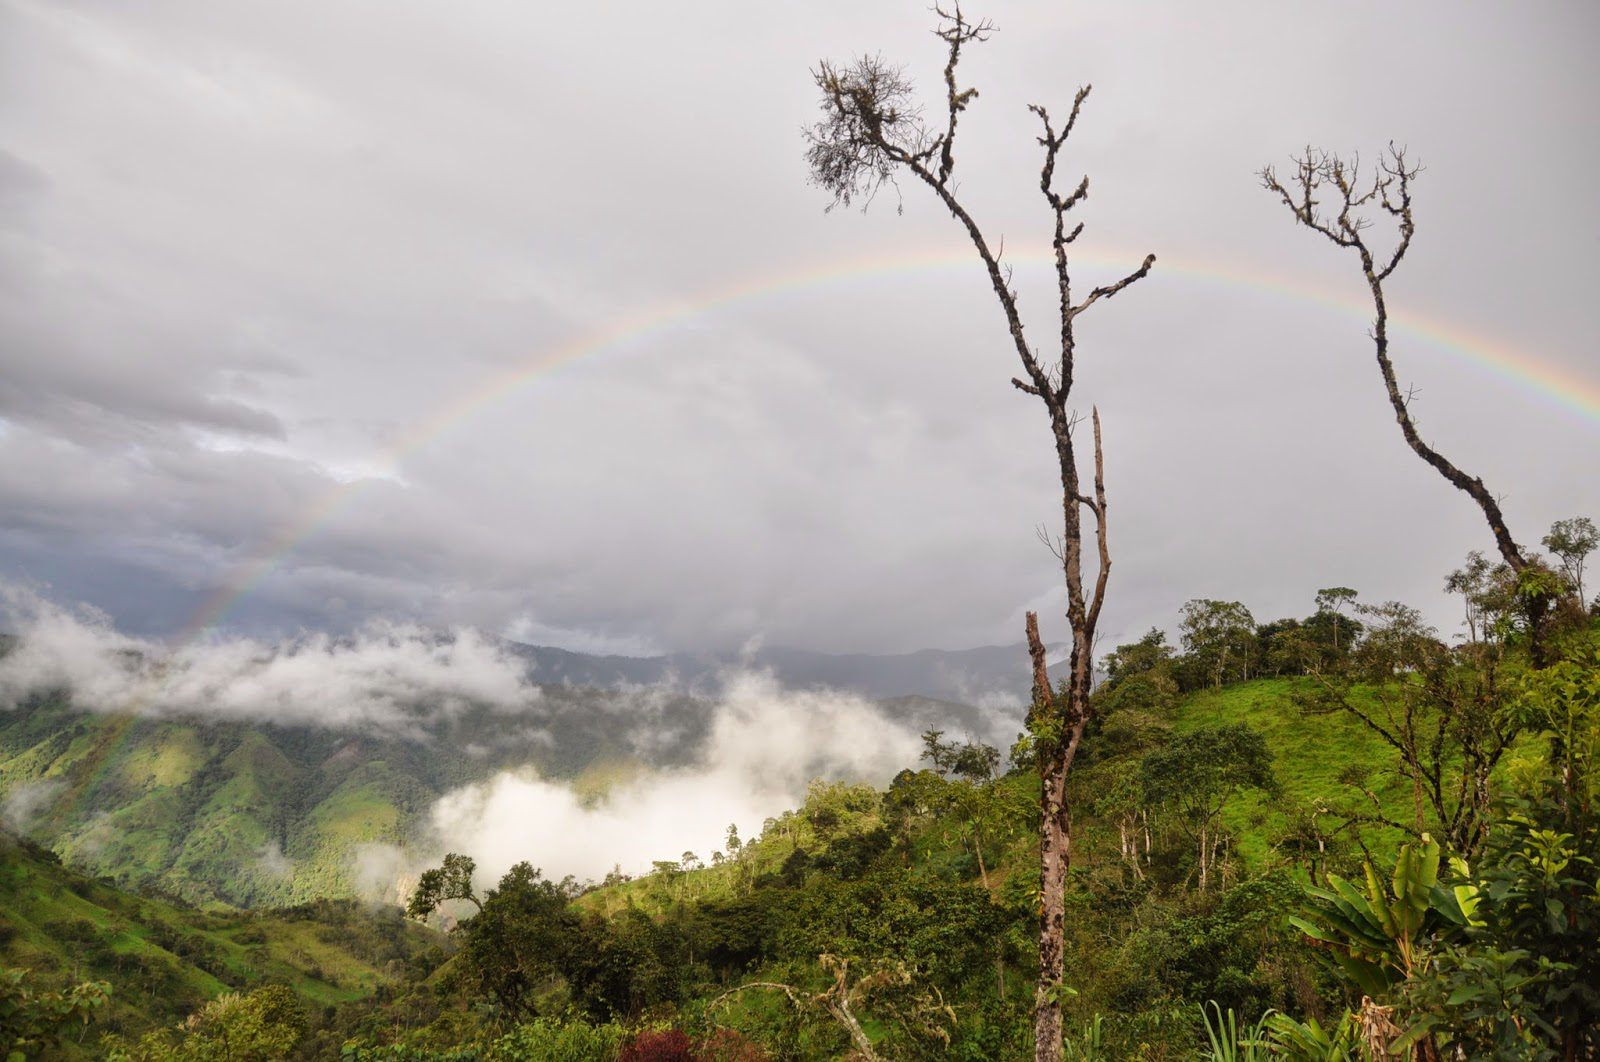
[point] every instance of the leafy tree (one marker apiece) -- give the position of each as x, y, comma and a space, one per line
625, 966
452, 880
1531, 968
1120, 797
1489, 599
264, 1026
1572, 541
893, 988
1149, 653
1503, 963
1140, 675
870, 131
1443, 711
976, 804
971, 760
1199, 772
1332, 602
33, 1023
1291, 647
1217, 636
547, 1040
523, 937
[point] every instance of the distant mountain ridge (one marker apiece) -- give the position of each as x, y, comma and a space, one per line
962, 676
250, 814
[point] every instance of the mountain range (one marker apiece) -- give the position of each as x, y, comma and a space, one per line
254, 813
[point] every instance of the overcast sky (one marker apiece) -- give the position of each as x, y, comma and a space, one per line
289, 293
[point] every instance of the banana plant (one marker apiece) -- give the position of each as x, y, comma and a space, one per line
1380, 936
1309, 1041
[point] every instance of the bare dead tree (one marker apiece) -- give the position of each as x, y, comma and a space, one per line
903, 995
871, 132
1330, 196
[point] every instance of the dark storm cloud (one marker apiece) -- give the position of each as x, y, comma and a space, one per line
246, 254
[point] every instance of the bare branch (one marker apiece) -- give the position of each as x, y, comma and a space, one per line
1044, 701
955, 31
1056, 547
1110, 290
1100, 528
1321, 173
1399, 175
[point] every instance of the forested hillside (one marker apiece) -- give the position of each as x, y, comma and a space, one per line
899, 922
163, 962
251, 814
1219, 823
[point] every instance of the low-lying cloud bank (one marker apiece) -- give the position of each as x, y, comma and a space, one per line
385, 675
766, 744
739, 750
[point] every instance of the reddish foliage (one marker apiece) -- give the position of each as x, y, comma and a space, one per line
729, 1045
658, 1045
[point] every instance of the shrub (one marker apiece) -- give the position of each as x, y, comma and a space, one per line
544, 1040
658, 1045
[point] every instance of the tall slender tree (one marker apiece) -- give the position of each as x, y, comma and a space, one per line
870, 133
1331, 196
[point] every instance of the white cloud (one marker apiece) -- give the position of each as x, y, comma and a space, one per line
384, 675
766, 743
25, 802
274, 863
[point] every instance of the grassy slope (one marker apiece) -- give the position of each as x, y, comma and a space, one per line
162, 961
1319, 759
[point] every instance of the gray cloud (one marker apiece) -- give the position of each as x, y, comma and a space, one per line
244, 264
383, 676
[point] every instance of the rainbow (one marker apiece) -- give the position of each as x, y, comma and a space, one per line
1547, 381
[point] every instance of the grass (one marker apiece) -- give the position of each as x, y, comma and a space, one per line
1324, 759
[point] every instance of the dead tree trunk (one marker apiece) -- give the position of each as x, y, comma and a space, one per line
1321, 172
871, 133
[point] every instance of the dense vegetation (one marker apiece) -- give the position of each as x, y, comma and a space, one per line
1290, 839
1230, 795
63, 932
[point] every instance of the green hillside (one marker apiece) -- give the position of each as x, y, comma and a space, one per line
253, 815
163, 961
919, 898
937, 874
1200, 820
